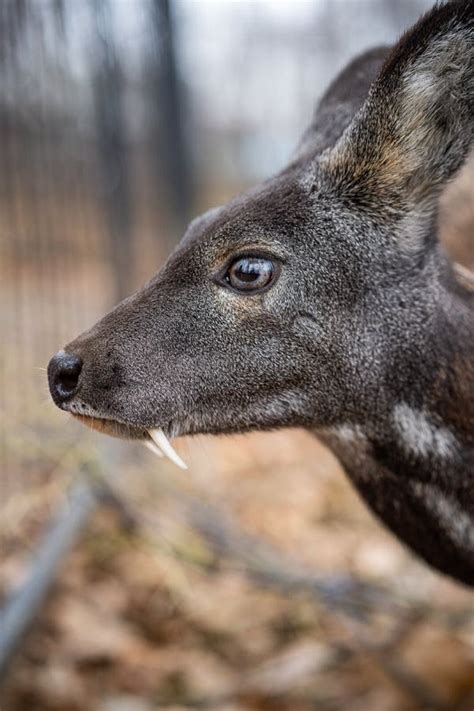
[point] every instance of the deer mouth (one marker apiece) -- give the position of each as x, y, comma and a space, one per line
114, 428
154, 439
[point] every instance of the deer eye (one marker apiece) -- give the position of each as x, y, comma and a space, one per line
250, 274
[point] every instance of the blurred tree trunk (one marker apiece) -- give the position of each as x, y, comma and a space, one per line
170, 155
113, 154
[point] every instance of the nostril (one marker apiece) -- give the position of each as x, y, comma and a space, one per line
64, 370
69, 379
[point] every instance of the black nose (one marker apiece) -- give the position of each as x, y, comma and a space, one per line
64, 370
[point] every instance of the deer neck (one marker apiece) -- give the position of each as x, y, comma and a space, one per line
414, 464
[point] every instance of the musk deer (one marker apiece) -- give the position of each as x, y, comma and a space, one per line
322, 299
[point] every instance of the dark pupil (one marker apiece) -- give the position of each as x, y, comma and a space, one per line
252, 272
247, 270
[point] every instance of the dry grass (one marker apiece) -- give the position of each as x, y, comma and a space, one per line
173, 617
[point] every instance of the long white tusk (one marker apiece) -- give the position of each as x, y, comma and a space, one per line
153, 448
161, 441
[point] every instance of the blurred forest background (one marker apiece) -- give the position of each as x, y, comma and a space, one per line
257, 580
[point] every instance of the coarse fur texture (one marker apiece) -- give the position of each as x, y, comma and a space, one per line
367, 336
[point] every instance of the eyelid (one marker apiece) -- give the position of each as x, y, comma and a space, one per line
273, 251
258, 252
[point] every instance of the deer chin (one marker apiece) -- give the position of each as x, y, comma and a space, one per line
154, 439
112, 427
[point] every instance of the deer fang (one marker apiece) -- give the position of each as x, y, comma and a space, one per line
153, 448
161, 441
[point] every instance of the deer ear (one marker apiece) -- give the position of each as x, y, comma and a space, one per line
416, 127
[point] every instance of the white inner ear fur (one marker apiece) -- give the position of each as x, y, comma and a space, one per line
439, 77
419, 436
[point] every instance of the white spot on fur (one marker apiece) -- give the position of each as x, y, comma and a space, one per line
349, 433
421, 437
451, 517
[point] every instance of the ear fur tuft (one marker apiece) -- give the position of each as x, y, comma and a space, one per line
417, 125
